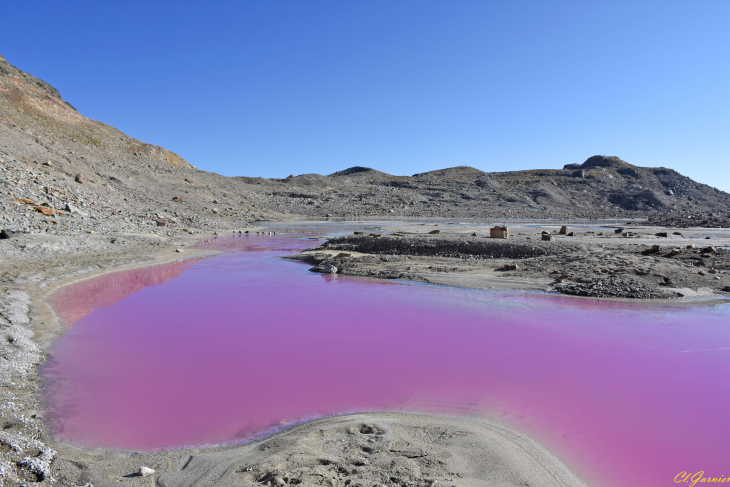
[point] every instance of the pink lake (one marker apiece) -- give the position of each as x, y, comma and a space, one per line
222, 349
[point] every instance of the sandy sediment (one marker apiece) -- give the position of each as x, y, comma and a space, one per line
633, 263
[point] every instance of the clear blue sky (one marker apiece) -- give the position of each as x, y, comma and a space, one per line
269, 88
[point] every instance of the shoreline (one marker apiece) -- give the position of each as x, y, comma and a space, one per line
634, 266
61, 460
46, 327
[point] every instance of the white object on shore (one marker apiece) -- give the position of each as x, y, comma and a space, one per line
145, 471
179, 250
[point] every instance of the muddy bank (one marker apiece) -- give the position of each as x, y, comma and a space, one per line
635, 264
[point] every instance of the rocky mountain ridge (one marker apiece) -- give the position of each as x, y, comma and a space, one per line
62, 172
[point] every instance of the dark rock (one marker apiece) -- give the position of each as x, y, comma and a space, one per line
7, 233
79, 178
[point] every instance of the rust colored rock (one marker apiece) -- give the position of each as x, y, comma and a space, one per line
178, 199
433, 232
25, 201
342, 254
44, 210
563, 230
359, 233
500, 231
510, 267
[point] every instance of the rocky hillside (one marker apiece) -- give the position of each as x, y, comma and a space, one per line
61, 172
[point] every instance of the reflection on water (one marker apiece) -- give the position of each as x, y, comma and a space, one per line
625, 393
74, 302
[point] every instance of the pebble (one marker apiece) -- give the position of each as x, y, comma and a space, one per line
145, 471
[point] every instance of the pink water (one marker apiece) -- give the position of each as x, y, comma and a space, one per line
224, 348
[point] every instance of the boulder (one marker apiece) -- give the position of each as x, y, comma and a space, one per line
547, 237
510, 267
145, 471
7, 233
662, 234
500, 231
44, 210
71, 209
619, 230
79, 178
434, 232
563, 230
324, 268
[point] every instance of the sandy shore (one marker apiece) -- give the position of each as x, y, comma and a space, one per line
595, 262
361, 449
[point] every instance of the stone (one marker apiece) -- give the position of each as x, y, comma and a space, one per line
161, 223
563, 230
510, 267
324, 268
145, 471
677, 233
702, 273
180, 251
71, 209
48, 163
673, 252
474, 234
434, 232
374, 234
178, 199
499, 231
547, 237
7, 233
44, 210
342, 254
24, 201
662, 234
712, 271
359, 233
690, 246
726, 289
79, 178
570, 234
216, 211
619, 230
709, 250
